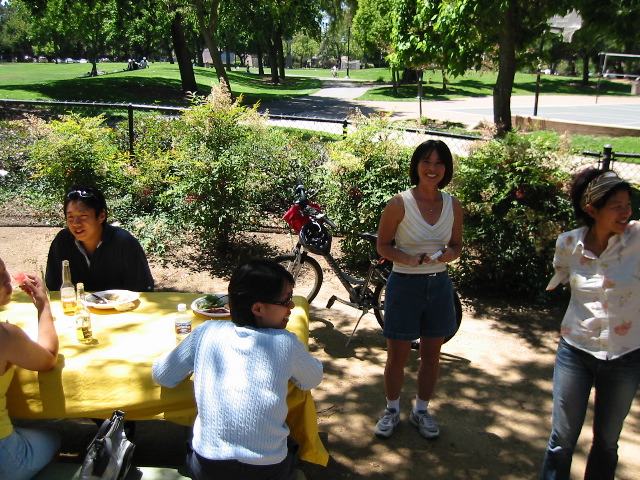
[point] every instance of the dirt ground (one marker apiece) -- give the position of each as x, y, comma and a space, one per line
493, 401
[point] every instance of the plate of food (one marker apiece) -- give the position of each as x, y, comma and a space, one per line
212, 305
111, 298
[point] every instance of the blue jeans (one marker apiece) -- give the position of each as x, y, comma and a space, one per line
616, 383
27, 451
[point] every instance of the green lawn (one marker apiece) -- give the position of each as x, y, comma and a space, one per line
159, 84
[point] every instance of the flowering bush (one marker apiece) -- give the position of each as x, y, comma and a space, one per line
515, 198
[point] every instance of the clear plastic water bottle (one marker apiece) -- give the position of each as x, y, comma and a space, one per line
182, 323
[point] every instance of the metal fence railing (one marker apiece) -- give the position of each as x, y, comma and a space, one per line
63, 107
411, 137
608, 160
460, 144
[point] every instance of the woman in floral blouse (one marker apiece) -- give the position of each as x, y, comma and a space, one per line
600, 333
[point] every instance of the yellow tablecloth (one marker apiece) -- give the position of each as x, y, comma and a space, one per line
115, 372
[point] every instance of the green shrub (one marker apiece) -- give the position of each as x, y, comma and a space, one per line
156, 233
362, 173
515, 200
77, 150
213, 172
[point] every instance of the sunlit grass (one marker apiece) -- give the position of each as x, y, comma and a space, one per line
159, 84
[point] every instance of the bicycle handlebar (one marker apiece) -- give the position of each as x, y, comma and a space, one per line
302, 201
302, 192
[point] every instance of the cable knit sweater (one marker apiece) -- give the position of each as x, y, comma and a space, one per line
241, 379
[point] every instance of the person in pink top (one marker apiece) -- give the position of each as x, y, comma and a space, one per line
420, 231
25, 451
600, 333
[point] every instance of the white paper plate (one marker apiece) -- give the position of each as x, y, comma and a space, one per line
114, 298
224, 311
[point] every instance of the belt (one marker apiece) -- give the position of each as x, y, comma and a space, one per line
436, 274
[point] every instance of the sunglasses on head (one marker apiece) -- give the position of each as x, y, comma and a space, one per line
75, 194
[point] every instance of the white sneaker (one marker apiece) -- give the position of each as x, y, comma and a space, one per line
427, 426
387, 423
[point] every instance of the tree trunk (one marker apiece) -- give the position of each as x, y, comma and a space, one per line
273, 63
208, 30
181, 49
585, 69
506, 73
260, 58
394, 79
277, 40
228, 52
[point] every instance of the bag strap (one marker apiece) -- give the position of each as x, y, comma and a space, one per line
103, 456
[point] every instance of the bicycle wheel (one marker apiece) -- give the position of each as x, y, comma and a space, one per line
378, 298
306, 272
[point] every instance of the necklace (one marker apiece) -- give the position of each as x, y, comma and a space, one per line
429, 204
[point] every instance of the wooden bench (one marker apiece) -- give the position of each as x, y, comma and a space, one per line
71, 471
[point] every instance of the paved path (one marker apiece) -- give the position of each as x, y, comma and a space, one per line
339, 99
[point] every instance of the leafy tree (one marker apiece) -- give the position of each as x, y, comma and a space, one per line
372, 27
304, 46
14, 30
611, 25
459, 34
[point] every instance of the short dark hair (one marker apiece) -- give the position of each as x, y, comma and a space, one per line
579, 186
424, 150
256, 280
92, 197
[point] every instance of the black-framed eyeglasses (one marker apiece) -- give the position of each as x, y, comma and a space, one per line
75, 194
286, 303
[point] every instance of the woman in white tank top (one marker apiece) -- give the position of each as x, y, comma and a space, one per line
420, 231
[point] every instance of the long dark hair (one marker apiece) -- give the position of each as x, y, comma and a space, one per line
424, 150
257, 280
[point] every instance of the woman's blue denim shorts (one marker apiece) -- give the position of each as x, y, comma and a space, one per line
419, 305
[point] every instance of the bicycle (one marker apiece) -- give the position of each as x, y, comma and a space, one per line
367, 294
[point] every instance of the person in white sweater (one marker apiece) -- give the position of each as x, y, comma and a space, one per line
241, 371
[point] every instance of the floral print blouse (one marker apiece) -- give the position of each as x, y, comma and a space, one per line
603, 316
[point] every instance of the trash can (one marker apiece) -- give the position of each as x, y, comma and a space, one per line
635, 88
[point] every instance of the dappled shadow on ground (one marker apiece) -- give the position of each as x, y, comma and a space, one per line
493, 415
525, 318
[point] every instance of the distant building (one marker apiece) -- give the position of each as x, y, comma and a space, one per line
208, 61
353, 64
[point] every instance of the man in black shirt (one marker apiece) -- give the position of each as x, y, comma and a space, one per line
100, 255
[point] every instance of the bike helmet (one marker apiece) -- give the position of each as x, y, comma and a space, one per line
316, 238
